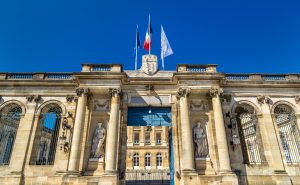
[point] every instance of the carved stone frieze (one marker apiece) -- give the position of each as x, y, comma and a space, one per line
264, 100
183, 92
70, 98
100, 105
35, 98
199, 105
213, 92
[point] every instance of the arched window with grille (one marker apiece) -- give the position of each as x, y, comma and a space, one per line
148, 161
46, 137
10, 116
136, 161
286, 122
159, 160
247, 124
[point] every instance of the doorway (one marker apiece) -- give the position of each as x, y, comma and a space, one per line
149, 150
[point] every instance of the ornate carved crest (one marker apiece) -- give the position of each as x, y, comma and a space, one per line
149, 64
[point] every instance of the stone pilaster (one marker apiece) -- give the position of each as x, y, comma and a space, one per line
22, 140
273, 148
112, 132
222, 146
82, 94
188, 161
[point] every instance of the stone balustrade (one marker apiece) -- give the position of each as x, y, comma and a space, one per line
101, 68
197, 68
36, 76
262, 77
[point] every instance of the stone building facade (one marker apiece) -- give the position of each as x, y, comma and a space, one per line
224, 128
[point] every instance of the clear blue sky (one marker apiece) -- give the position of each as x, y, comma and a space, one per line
238, 35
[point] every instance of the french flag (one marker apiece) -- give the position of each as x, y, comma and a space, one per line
148, 42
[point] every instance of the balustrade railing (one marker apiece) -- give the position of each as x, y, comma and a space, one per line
36, 76
20, 76
237, 77
197, 68
147, 177
262, 77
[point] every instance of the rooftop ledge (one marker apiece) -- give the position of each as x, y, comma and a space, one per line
86, 67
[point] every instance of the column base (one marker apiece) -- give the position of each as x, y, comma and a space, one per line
110, 172
73, 173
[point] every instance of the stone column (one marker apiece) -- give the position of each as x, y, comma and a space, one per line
188, 161
112, 133
82, 94
220, 130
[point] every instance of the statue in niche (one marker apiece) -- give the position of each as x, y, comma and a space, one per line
97, 150
200, 139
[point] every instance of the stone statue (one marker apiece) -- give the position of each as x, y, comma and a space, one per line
200, 139
97, 150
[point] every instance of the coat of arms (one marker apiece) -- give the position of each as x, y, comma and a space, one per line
149, 64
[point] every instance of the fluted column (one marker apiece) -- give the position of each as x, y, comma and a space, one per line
188, 161
220, 130
82, 94
112, 132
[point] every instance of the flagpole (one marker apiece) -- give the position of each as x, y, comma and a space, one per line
149, 35
163, 63
136, 46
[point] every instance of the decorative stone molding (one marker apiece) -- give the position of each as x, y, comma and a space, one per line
35, 98
100, 105
213, 92
199, 105
264, 100
30, 98
70, 98
183, 92
82, 91
297, 99
226, 98
115, 92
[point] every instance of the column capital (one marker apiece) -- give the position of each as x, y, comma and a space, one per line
214, 92
183, 92
115, 92
264, 100
82, 91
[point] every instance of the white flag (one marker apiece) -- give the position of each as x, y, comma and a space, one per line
166, 49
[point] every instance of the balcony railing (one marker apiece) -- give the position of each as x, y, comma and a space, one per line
36, 76
262, 77
101, 68
197, 68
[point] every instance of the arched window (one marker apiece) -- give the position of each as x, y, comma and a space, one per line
46, 136
158, 160
136, 160
247, 123
148, 161
288, 132
9, 122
